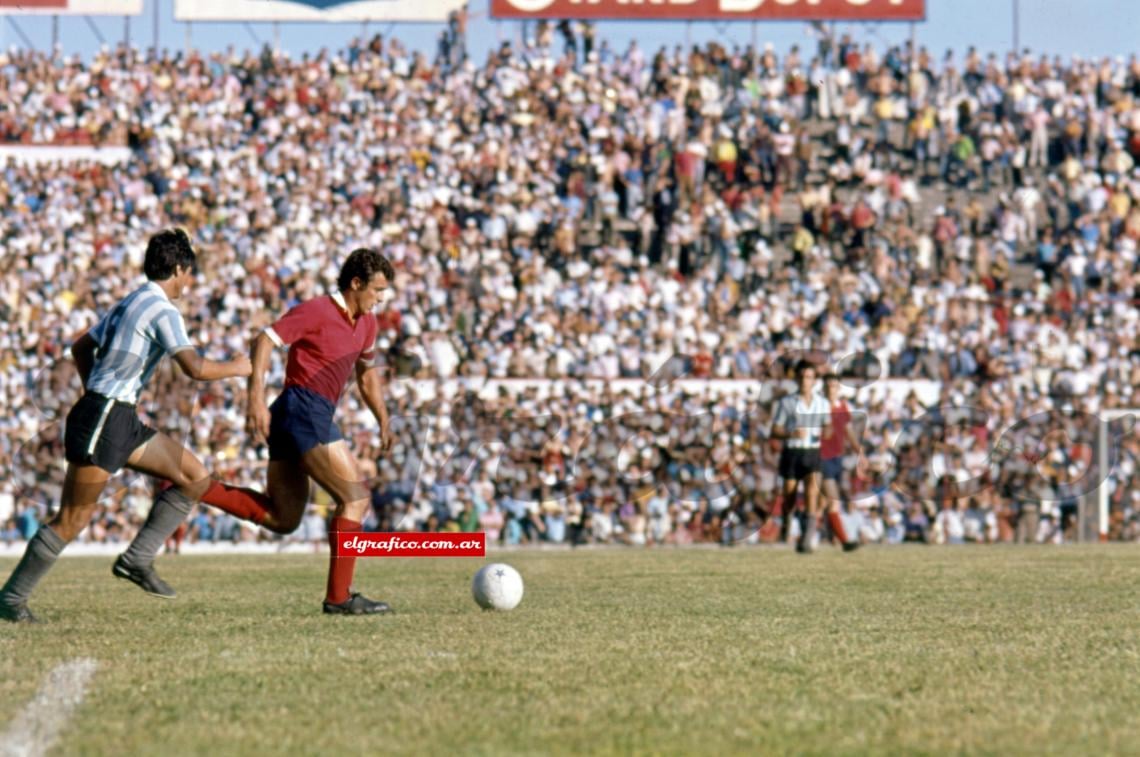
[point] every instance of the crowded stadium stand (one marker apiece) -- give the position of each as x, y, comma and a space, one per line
608, 262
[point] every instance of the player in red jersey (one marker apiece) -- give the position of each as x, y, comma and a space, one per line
330, 338
831, 448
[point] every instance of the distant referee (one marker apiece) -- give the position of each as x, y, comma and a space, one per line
801, 421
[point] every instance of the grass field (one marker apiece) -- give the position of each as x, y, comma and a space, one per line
990, 650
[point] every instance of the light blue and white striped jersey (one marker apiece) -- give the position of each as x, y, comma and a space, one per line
133, 338
794, 414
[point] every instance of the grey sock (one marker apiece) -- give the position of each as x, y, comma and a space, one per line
807, 528
41, 554
166, 515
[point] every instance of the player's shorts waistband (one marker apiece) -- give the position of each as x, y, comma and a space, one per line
307, 395
91, 396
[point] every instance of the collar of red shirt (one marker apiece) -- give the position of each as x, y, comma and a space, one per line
338, 298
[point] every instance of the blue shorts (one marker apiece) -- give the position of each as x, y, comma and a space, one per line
300, 420
833, 468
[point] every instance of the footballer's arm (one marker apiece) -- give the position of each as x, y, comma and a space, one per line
83, 352
855, 439
372, 391
194, 365
201, 369
257, 413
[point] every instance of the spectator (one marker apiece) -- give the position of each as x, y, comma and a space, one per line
566, 215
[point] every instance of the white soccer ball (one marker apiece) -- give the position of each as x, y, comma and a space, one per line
497, 586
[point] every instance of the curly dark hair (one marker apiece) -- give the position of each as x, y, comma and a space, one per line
803, 366
363, 264
167, 250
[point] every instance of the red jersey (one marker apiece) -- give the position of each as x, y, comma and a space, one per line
702, 364
324, 344
831, 447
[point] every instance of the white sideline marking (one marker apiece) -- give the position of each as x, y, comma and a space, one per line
36, 728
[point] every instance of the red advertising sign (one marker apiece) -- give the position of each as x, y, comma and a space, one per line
70, 7
19, 4
745, 10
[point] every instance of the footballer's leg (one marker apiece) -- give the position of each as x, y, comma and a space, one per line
832, 504
789, 472
82, 486
831, 494
811, 504
165, 458
248, 505
834, 512
333, 467
788, 510
288, 488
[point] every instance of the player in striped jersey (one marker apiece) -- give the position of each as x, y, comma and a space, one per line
103, 433
801, 420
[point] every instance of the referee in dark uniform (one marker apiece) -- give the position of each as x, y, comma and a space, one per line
801, 421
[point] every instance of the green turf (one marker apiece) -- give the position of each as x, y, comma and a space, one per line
918, 650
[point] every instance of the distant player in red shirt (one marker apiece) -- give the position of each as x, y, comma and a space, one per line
831, 449
330, 338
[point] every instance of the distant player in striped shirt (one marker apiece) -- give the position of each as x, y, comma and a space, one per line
103, 433
801, 420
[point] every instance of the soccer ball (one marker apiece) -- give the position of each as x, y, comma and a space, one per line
497, 586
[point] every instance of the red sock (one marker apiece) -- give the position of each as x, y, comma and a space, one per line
246, 504
340, 568
836, 521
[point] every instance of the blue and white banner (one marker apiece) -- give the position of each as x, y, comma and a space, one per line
315, 10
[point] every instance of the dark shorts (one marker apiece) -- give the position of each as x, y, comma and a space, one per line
798, 464
299, 421
832, 468
103, 432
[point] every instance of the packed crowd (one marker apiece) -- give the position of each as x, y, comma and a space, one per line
564, 210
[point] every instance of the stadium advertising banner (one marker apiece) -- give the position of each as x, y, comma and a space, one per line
70, 7
719, 10
332, 11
